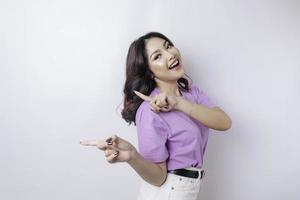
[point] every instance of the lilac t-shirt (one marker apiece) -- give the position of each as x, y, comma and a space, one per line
173, 136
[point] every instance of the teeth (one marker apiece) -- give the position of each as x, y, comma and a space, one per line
175, 63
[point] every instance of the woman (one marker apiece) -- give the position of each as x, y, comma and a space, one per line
172, 117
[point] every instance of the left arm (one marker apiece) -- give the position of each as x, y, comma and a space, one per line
214, 118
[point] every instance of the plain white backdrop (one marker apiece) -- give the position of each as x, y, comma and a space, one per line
62, 70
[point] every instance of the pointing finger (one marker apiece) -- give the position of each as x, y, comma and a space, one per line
142, 96
98, 143
89, 143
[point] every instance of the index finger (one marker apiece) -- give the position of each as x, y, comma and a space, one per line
90, 142
142, 96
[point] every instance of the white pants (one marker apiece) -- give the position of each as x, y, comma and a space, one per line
174, 188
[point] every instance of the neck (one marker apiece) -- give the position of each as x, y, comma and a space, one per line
170, 88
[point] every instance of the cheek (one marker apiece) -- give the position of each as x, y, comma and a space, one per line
158, 66
160, 71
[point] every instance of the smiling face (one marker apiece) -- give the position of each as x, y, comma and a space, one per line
164, 60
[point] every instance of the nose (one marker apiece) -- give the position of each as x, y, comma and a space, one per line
170, 55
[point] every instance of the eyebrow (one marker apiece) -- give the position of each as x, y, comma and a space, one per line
158, 49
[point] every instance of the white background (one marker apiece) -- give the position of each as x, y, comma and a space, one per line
62, 70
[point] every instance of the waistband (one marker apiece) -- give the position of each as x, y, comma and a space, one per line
191, 172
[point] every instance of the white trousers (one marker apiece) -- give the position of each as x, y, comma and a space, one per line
175, 187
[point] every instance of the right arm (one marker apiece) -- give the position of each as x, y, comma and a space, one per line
150, 161
153, 173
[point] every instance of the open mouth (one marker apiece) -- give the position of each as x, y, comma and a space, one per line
174, 65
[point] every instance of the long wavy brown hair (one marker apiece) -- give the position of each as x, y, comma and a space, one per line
139, 76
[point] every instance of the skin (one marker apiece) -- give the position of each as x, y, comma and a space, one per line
119, 150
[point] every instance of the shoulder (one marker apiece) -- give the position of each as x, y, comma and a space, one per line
149, 121
194, 88
144, 113
145, 108
201, 96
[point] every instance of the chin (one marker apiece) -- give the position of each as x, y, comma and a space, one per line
181, 74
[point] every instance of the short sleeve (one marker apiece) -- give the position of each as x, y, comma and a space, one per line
152, 134
201, 97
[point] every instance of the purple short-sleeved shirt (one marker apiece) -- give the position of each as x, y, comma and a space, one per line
173, 136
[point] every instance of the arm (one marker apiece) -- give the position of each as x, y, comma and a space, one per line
214, 118
117, 149
153, 173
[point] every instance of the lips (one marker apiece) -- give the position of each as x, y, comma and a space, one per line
174, 64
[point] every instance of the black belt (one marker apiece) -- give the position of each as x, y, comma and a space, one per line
187, 173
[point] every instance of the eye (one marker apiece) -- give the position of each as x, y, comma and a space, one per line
157, 56
169, 45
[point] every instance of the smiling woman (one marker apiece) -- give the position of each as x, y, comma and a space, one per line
172, 117
164, 62
149, 60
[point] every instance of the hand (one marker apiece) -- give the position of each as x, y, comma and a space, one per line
160, 102
115, 148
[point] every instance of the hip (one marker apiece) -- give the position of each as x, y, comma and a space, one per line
175, 187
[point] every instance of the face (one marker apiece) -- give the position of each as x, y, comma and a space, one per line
164, 60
